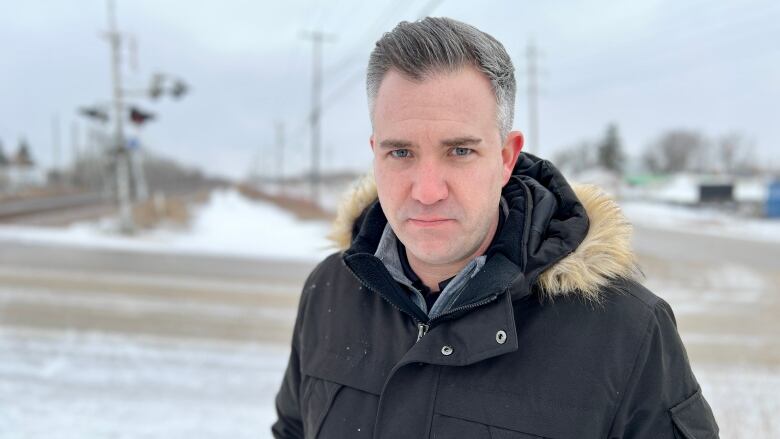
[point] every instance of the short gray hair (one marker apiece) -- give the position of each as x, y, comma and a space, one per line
436, 44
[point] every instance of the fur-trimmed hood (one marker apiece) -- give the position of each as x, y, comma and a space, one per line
603, 255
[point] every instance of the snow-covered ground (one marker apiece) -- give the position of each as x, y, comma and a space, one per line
701, 220
77, 385
684, 188
228, 224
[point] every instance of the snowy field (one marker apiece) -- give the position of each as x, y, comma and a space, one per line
90, 385
228, 224
701, 221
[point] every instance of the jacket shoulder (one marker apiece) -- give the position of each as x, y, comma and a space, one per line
636, 291
328, 280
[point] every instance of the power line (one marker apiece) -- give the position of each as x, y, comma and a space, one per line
371, 30
339, 91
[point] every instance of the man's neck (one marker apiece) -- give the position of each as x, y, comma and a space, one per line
432, 274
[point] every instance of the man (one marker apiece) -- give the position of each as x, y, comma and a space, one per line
478, 294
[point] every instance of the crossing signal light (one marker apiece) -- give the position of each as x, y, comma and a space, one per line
140, 117
179, 89
94, 113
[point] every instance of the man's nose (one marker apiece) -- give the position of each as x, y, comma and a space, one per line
429, 184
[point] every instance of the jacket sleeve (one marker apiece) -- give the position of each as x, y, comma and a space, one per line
289, 423
662, 398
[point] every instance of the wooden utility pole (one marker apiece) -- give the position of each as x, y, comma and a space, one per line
533, 94
317, 38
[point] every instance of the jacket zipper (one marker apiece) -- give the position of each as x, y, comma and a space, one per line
423, 328
484, 301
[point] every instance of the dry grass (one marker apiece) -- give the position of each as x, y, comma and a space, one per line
303, 209
171, 209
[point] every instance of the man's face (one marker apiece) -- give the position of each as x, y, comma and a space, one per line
439, 162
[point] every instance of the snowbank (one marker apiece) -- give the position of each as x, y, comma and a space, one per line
701, 221
228, 224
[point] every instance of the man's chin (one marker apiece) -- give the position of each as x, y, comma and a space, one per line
433, 256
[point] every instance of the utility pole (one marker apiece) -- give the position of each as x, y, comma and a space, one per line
317, 38
533, 94
75, 177
279, 127
56, 138
121, 162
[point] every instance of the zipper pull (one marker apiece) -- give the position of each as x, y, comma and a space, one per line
422, 329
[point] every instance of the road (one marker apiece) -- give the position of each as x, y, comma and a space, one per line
148, 293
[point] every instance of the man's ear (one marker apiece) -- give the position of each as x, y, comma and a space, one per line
371, 141
510, 151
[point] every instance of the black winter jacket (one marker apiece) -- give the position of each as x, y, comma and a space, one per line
553, 337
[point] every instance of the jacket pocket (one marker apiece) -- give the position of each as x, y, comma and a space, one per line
446, 427
693, 418
317, 397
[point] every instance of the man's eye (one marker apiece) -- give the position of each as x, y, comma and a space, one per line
400, 153
462, 151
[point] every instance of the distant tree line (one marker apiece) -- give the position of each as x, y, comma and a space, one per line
95, 172
607, 153
682, 150
675, 151
22, 157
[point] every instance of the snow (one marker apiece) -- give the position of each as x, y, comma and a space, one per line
684, 189
90, 385
701, 220
681, 189
228, 224
744, 399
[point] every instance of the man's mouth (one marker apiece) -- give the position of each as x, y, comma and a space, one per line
429, 221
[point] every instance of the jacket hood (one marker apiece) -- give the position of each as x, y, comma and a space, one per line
567, 239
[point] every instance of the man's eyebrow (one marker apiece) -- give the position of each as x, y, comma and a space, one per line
395, 143
460, 141
453, 142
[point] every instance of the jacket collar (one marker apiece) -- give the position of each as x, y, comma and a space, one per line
558, 239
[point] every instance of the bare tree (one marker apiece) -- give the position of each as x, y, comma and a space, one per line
676, 151
577, 158
735, 153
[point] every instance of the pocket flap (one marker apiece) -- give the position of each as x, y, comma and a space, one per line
510, 411
693, 418
352, 365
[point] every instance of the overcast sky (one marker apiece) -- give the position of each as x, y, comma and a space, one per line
647, 65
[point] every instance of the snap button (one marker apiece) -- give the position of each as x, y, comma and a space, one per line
446, 350
501, 337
